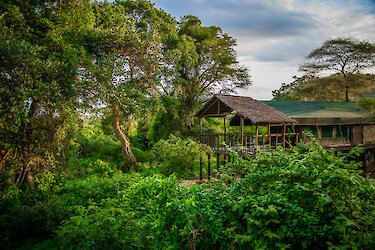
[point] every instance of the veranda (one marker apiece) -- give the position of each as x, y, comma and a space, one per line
244, 111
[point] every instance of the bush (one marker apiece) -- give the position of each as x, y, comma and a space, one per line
143, 156
30, 218
129, 220
304, 197
180, 156
92, 145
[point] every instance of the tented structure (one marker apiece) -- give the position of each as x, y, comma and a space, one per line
333, 123
245, 111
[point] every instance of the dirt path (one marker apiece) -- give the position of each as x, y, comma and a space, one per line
188, 183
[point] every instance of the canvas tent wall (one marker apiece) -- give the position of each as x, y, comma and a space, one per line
323, 113
335, 116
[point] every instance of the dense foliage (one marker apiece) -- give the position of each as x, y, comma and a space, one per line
305, 197
88, 85
334, 72
180, 156
118, 59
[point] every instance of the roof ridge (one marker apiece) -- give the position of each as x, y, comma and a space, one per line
234, 96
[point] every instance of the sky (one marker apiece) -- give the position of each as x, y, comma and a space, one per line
274, 36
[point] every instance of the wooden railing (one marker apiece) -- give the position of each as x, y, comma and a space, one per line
248, 142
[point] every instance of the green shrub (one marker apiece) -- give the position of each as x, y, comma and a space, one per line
29, 218
304, 197
130, 220
180, 156
92, 144
143, 156
96, 187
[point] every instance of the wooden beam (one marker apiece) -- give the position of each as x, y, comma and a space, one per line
269, 134
200, 129
200, 169
284, 128
208, 107
209, 167
217, 161
225, 130
242, 129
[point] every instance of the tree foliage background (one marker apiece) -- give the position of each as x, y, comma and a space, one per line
90, 89
336, 71
125, 61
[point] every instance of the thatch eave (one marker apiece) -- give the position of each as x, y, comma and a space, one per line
257, 113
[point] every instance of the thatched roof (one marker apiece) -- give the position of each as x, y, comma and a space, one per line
254, 112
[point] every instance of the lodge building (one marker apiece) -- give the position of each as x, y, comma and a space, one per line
337, 125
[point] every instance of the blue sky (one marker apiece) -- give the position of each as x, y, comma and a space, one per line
274, 36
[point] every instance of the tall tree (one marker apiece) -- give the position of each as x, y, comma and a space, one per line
344, 56
39, 81
211, 64
205, 63
287, 91
312, 88
123, 74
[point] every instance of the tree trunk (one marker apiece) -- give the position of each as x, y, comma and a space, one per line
30, 180
131, 161
346, 93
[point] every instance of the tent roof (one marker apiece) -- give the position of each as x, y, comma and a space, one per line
257, 112
323, 112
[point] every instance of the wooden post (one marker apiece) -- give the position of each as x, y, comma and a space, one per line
200, 169
200, 129
242, 129
256, 136
284, 128
217, 161
209, 167
269, 135
225, 131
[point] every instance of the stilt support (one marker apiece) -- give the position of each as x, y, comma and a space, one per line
200, 169
209, 167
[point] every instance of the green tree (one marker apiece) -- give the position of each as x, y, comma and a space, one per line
344, 56
312, 88
367, 103
205, 62
210, 64
39, 81
124, 69
287, 91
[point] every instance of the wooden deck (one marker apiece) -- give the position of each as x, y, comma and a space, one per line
247, 143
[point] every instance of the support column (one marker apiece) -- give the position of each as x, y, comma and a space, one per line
200, 129
209, 167
269, 135
284, 128
225, 131
242, 129
200, 169
217, 161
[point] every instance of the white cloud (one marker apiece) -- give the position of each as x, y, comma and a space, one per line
274, 36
